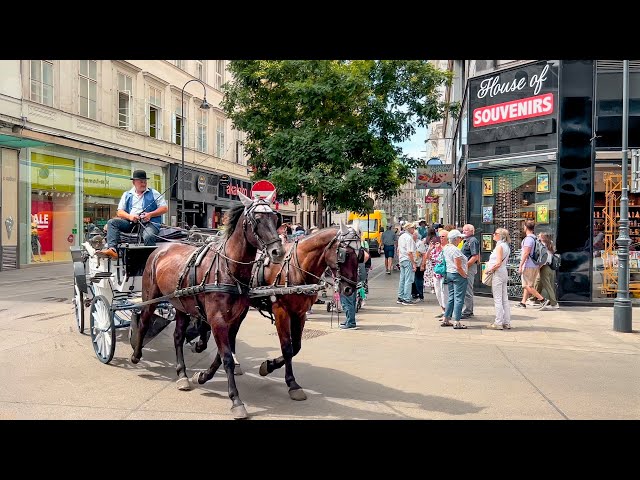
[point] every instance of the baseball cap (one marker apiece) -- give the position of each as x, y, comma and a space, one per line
455, 233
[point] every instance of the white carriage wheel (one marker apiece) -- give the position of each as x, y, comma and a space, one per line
78, 305
103, 330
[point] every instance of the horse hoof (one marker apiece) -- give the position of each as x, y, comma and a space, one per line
134, 359
195, 378
239, 412
184, 384
237, 370
297, 394
264, 371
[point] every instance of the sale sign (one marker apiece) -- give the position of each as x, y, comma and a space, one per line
42, 216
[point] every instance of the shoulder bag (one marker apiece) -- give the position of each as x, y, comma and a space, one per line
487, 278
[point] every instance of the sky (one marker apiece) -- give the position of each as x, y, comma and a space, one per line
416, 145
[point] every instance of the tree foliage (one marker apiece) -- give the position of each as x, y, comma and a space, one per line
328, 128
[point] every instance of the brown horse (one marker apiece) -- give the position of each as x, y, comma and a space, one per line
304, 264
213, 283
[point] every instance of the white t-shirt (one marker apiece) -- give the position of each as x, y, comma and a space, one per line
405, 245
451, 252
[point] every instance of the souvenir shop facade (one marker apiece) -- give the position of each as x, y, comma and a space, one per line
542, 141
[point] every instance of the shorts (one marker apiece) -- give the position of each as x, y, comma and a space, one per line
529, 276
389, 251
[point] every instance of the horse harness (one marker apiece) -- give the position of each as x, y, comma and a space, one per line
259, 288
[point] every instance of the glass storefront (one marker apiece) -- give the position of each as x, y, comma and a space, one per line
64, 192
606, 219
505, 198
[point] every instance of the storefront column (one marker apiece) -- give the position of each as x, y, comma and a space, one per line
575, 178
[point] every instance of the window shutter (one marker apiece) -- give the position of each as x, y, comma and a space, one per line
147, 118
173, 128
160, 124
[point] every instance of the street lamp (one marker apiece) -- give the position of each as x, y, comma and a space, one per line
205, 106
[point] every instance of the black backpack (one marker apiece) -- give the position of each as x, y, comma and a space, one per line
555, 261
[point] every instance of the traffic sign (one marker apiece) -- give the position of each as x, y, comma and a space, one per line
263, 188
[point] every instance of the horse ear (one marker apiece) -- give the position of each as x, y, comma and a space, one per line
343, 228
356, 226
246, 201
270, 197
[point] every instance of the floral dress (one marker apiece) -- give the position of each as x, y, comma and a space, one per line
436, 257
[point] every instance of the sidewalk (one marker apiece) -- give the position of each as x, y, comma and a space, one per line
400, 364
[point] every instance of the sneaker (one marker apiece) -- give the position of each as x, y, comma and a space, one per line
493, 326
349, 327
388, 272
407, 303
506, 326
556, 306
399, 301
466, 315
520, 305
543, 303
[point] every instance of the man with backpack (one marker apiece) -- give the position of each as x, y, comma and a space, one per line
533, 257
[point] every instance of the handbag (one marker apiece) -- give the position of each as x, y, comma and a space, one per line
487, 277
441, 268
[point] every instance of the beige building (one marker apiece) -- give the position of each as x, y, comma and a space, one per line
72, 131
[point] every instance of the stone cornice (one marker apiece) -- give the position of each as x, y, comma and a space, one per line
153, 78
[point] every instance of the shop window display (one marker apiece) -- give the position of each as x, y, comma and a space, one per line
508, 197
606, 223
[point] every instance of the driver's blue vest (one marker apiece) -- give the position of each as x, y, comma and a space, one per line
148, 204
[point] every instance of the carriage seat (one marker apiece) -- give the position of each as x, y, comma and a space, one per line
165, 234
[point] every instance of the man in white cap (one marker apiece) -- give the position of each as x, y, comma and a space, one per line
406, 256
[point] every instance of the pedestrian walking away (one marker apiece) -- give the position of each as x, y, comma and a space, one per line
389, 240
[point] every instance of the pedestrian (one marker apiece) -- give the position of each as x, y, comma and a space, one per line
528, 270
364, 265
456, 279
432, 238
547, 277
396, 261
498, 264
436, 256
389, 240
406, 256
417, 289
471, 250
349, 309
422, 229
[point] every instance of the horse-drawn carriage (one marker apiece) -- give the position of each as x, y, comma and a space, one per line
111, 288
213, 282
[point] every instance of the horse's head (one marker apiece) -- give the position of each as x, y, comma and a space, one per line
262, 224
342, 258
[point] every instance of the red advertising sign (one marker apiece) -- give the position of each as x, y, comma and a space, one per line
515, 110
42, 215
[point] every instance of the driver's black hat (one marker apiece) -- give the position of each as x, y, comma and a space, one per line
139, 175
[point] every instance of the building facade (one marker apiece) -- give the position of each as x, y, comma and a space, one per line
541, 140
72, 132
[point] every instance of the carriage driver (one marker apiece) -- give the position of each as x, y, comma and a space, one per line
139, 206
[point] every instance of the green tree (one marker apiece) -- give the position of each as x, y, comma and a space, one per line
328, 128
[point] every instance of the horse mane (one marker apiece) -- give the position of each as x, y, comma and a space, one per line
231, 219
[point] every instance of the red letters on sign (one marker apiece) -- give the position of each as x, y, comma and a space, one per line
515, 110
234, 189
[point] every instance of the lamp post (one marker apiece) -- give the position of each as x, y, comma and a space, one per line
622, 303
205, 106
